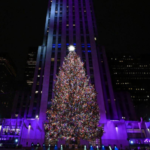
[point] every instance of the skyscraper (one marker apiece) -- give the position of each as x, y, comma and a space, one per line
30, 65
130, 72
68, 22
72, 22
7, 85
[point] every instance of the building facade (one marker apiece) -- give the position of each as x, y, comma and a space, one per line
30, 66
131, 72
70, 22
7, 85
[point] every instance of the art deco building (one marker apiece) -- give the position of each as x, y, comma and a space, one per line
72, 22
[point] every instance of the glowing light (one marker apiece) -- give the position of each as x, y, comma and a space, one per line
91, 148
37, 116
0, 127
146, 140
110, 148
71, 48
55, 148
116, 148
131, 142
103, 147
29, 126
16, 140
84, 147
61, 147
116, 128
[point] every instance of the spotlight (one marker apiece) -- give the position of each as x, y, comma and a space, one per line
29, 125
61, 147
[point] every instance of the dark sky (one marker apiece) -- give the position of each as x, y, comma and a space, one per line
122, 26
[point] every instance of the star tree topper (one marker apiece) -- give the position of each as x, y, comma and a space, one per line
71, 48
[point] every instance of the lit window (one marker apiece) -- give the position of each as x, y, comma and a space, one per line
52, 59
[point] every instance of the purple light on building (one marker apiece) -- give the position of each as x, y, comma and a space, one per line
73, 24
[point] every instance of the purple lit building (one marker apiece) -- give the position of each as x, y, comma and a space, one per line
72, 22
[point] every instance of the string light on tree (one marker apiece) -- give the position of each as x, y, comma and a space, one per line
74, 112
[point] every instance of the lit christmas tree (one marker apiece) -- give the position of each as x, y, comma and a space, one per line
74, 113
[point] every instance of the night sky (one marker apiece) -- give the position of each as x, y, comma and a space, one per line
122, 26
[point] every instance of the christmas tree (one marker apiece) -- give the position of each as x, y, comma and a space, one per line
74, 112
